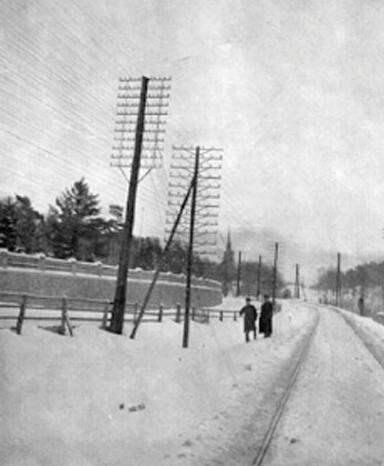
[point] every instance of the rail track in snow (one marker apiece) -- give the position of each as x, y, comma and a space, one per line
376, 349
299, 359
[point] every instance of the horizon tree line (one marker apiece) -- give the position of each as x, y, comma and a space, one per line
362, 276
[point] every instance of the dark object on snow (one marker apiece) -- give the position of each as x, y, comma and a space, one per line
250, 316
265, 322
138, 407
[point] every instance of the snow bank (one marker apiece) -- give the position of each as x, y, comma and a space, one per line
99, 398
370, 331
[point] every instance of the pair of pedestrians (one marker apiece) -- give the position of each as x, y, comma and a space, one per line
250, 316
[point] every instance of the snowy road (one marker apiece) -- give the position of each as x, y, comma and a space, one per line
335, 415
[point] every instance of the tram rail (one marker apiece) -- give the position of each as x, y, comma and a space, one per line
299, 359
376, 349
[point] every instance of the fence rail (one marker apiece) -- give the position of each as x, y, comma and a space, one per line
66, 309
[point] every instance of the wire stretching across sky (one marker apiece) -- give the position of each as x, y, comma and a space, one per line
19, 89
58, 86
75, 120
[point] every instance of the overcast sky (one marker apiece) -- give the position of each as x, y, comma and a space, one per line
292, 90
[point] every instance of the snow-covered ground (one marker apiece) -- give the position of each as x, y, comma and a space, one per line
335, 415
102, 399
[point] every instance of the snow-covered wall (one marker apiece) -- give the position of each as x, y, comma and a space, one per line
38, 277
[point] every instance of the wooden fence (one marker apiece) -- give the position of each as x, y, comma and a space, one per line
21, 307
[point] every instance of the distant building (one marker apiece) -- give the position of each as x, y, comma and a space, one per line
228, 267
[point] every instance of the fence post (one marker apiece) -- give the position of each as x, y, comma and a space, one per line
105, 316
4, 258
235, 316
42, 262
178, 312
135, 309
62, 329
99, 268
193, 313
65, 318
161, 308
73, 263
221, 315
208, 316
21, 317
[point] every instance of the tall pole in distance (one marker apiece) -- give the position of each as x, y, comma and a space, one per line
275, 274
338, 280
117, 319
297, 282
238, 275
190, 249
258, 291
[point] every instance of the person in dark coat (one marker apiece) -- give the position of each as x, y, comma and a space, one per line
265, 322
250, 316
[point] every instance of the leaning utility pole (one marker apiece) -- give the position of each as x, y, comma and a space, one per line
238, 280
258, 291
162, 261
338, 280
297, 294
134, 104
274, 284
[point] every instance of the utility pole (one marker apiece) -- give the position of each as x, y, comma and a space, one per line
297, 282
190, 250
258, 291
198, 228
207, 197
117, 320
303, 289
238, 275
134, 104
275, 273
338, 280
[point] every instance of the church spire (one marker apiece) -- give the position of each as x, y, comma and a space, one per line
229, 243
228, 266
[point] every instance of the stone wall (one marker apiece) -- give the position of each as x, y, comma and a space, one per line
36, 275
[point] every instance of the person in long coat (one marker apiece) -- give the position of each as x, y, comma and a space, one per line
265, 322
250, 316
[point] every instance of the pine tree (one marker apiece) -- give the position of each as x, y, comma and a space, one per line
8, 221
176, 258
21, 226
73, 223
29, 226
